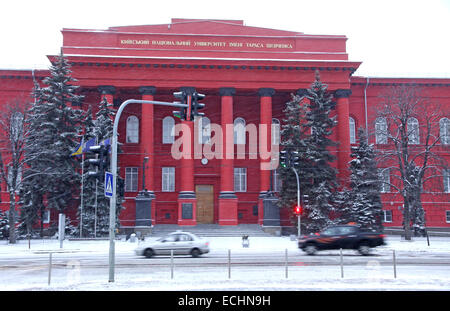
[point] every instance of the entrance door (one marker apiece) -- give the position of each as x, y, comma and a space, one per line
205, 204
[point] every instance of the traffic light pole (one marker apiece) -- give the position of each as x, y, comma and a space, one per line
298, 200
112, 209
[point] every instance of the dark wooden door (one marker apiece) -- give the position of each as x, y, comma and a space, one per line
205, 204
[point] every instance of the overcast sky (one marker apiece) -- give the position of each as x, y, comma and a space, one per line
393, 38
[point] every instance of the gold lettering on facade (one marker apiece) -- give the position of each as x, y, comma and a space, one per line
207, 44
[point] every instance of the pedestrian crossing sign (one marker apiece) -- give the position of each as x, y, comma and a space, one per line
109, 186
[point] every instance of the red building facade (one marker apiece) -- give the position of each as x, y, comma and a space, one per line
247, 75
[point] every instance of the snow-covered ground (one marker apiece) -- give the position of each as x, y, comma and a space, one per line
374, 274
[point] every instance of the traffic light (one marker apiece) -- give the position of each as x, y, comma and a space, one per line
284, 159
182, 113
190, 98
305, 199
101, 162
298, 210
196, 106
295, 159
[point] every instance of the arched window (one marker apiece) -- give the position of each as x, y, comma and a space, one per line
444, 131
352, 125
381, 133
413, 131
239, 131
204, 130
132, 129
168, 130
275, 131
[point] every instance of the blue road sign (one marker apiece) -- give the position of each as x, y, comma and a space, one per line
109, 186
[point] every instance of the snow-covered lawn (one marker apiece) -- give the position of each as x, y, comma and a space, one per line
370, 276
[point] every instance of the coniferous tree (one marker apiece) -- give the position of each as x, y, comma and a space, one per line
306, 129
321, 182
95, 204
54, 134
362, 203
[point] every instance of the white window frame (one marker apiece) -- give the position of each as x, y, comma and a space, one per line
352, 127
381, 132
240, 179
239, 131
387, 216
385, 177
46, 217
275, 132
413, 131
276, 181
168, 130
447, 216
132, 130
446, 180
444, 131
168, 179
204, 130
131, 179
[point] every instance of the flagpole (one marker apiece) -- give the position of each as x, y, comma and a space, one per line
96, 200
82, 194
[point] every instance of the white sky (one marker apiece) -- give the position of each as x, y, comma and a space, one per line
393, 38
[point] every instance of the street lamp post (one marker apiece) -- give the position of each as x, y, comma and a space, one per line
112, 202
298, 201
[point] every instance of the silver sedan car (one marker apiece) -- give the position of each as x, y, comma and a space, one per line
182, 243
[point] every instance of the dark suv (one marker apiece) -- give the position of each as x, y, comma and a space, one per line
344, 236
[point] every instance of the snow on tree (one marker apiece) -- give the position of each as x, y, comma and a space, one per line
96, 206
362, 203
306, 129
12, 138
54, 134
407, 125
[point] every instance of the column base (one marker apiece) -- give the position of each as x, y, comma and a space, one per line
187, 209
228, 215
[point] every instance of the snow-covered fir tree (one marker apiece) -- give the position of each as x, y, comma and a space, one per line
362, 203
96, 206
293, 133
54, 134
306, 129
321, 182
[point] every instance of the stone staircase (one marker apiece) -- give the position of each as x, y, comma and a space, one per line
212, 230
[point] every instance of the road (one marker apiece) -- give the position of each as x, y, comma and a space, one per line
220, 258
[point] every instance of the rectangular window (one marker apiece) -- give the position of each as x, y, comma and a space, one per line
385, 179
46, 217
446, 181
447, 216
387, 216
168, 179
276, 181
131, 179
240, 179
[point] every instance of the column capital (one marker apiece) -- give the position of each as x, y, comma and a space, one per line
147, 90
266, 92
302, 92
227, 91
342, 93
107, 89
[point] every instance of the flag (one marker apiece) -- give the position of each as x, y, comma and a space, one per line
106, 142
79, 149
91, 142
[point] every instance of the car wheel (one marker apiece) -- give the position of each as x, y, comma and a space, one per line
310, 249
148, 253
195, 252
364, 248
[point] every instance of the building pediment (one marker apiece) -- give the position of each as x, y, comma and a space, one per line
204, 27
218, 39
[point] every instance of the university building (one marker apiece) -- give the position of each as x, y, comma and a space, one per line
247, 74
